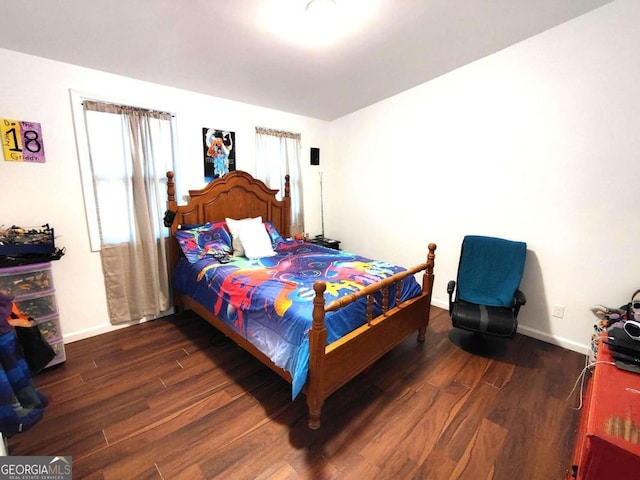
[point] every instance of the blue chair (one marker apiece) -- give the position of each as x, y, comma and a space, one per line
488, 297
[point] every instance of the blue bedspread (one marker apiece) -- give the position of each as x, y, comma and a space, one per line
269, 301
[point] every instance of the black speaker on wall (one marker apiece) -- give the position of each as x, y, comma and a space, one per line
315, 156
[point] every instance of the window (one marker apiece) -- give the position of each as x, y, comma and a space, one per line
278, 154
103, 147
124, 155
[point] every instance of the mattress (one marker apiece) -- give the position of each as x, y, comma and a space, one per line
269, 301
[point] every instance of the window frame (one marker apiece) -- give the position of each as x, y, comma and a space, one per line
84, 157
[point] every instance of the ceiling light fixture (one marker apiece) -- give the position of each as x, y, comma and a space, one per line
320, 6
316, 23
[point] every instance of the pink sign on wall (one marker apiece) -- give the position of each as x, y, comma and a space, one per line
21, 141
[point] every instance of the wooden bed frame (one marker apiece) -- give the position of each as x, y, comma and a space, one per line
238, 195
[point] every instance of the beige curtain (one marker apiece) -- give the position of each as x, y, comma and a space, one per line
278, 154
134, 256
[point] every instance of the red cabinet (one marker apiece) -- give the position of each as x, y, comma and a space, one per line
608, 438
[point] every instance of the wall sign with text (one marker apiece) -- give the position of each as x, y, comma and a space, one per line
21, 141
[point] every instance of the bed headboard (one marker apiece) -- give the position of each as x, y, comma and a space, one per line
236, 195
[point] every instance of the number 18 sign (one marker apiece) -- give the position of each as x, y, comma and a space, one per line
21, 141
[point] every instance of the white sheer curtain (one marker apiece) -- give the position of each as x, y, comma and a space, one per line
131, 150
278, 154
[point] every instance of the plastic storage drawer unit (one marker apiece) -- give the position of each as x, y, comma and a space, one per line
49, 326
37, 305
26, 279
32, 287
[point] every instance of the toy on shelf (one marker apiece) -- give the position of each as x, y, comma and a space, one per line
613, 317
24, 246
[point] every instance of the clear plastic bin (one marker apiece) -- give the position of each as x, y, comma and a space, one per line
60, 357
26, 279
37, 305
50, 328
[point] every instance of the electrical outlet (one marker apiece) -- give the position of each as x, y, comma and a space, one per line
558, 311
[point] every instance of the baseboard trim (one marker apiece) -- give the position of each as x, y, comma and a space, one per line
533, 333
91, 332
107, 327
444, 304
561, 342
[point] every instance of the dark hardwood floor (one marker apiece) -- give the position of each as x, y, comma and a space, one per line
171, 399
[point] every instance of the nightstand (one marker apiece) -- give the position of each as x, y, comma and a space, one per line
326, 242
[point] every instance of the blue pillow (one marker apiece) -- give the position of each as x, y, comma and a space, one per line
274, 235
202, 240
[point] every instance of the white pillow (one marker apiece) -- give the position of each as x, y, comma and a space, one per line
250, 238
256, 241
234, 228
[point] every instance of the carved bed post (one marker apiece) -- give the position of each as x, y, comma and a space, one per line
427, 287
317, 345
287, 207
172, 205
171, 191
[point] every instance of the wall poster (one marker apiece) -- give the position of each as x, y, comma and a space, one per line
219, 152
21, 141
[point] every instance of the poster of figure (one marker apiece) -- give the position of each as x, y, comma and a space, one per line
219, 152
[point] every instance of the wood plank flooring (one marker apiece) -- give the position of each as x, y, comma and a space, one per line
172, 399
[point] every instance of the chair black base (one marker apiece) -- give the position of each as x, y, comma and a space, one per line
478, 343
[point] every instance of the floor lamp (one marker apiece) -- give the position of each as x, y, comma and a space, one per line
321, 208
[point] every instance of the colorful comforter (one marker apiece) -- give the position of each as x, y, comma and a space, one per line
269, 301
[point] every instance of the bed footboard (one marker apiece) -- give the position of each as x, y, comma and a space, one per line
331, 366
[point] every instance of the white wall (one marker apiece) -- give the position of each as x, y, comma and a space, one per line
539, 142
37, 90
